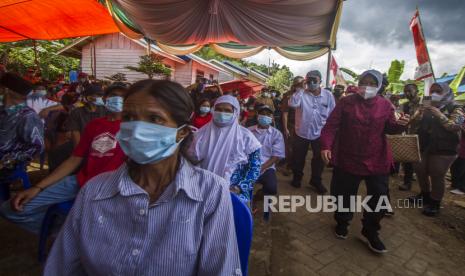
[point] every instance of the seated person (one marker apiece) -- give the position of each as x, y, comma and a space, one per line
272, 150
59, 145
21, 129
202, 116
93, 108
226, 148
157, 214
98, 151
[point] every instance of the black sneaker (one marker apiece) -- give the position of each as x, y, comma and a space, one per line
432, 209
296, 183
319, 188
374, 243
419, 198
341, 232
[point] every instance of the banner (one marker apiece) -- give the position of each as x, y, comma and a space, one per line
337, 73
424, 70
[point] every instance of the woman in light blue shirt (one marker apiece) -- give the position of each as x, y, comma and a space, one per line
157, 214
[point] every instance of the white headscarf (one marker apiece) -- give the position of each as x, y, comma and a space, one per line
222, 149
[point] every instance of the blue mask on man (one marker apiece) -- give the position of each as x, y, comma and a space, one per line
147, 143
114, 104
222, 118
264, 120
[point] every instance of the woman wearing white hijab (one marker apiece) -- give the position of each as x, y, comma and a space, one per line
226, 148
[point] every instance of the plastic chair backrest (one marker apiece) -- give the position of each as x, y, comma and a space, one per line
244, 230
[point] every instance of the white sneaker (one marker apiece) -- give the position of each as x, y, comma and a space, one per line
457, 192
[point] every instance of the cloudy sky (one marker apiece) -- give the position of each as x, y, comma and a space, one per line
375, 32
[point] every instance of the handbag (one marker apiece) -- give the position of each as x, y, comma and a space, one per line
405, 148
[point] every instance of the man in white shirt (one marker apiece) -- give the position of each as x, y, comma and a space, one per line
312, 108
272, 150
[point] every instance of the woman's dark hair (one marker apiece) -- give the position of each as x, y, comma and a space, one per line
175, 98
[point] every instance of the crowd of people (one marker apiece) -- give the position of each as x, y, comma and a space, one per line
152, 164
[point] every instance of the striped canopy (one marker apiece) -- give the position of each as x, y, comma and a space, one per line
296, 29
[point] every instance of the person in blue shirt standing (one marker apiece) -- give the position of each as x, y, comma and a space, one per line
312, 108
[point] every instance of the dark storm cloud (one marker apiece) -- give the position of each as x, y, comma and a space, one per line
387, 21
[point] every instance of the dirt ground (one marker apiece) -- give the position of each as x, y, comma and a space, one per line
303, 244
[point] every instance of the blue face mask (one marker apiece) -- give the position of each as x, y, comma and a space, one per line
204, 109
114, 104
222, 118
99, 101
147, 143
264, 120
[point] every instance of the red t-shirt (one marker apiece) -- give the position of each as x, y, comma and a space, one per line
99, 148
199, 121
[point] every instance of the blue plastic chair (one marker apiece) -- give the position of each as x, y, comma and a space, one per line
244, 230
20, 172
59, 209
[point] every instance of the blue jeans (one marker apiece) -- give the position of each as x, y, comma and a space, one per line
34, 211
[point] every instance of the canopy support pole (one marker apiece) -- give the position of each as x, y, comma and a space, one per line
328, 67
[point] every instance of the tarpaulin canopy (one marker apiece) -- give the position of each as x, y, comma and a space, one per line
53, 19
297, 29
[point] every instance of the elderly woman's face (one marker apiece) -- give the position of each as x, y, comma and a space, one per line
144, 107
368, 80
224, 107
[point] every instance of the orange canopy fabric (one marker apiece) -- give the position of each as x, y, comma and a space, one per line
53, 19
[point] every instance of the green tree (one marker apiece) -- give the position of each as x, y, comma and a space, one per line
22, 55
151, 65
281, 79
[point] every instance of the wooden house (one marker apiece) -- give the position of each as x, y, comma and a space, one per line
105, 55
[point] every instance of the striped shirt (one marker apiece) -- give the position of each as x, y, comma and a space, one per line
114, 230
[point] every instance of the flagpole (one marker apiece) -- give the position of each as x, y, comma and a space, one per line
328, 68
426, 44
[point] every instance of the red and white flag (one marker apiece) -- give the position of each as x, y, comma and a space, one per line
424, 69
337, 73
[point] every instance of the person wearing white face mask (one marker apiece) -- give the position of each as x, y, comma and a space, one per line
226, 148
203, 115
439, 127
312, 108
166, 216
272, 150
97, 152
94, 107
354, 142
